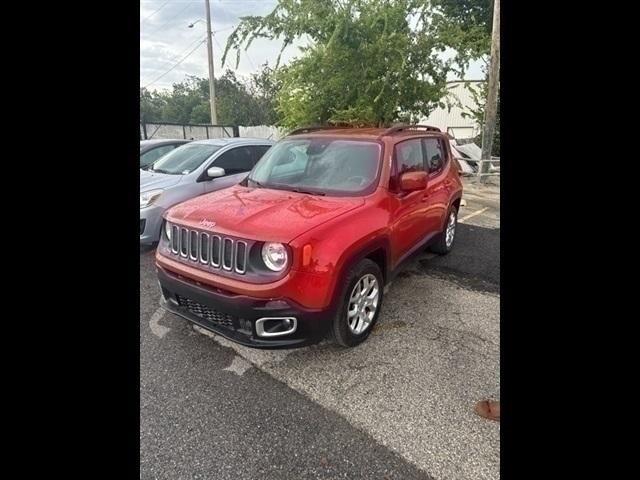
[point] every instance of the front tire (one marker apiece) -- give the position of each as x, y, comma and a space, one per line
359, 305
446, 238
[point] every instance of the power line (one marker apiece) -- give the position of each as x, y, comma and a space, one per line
189, 46
154, 12
223, 29
189, 4
182, 60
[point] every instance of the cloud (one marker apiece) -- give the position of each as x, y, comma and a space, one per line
165, 39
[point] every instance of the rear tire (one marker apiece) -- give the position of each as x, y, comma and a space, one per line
447, 237
360, 303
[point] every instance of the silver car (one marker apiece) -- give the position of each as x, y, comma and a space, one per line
190, 170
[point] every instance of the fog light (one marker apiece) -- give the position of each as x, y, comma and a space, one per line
276, 326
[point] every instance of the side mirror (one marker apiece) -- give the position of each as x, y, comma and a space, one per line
215, 172
412, 181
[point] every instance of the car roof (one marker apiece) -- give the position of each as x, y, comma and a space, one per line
369, 133
233, 140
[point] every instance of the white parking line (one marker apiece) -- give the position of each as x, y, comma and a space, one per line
258, 357
157, 329
477, 212
238, 365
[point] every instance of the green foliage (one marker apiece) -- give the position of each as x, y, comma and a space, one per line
264, 88
369, 62
464, 26
151, 104
237, 103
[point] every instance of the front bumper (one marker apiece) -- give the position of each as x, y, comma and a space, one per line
152, 217
240, 313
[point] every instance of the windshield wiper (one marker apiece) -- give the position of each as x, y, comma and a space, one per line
298, 190
288, 188
161, 171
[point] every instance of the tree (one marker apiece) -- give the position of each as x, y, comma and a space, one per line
238, 102
151, 103
184, 104
465, 26
369, 62
264, 88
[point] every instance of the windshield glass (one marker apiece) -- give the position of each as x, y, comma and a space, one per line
184, 159
318, 165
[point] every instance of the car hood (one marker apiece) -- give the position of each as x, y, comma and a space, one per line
151, 180
260, 213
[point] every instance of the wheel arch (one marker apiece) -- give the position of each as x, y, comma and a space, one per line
378, 250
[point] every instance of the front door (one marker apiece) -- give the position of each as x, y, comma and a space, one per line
408, 221
237, 162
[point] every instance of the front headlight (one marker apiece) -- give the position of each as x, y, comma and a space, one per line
167, 230
147, 198
274, 256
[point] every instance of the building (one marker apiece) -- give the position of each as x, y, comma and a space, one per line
461, 98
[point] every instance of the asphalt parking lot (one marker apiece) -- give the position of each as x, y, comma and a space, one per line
398, 406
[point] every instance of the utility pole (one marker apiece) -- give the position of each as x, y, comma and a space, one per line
212, 90
491, 107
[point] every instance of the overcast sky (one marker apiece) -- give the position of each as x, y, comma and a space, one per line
165, 39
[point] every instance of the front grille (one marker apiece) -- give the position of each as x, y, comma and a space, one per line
142, 225
209, 249
202, 311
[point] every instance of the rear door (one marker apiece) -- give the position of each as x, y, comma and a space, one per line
437, 196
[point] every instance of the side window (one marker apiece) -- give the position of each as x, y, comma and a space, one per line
407, 158
234, 161
435, 154
151, 156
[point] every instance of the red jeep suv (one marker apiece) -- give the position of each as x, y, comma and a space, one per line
306, 243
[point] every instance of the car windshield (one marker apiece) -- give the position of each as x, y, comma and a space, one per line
184, 159
323, 166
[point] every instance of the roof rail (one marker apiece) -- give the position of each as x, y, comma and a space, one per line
399, 128
298, 131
